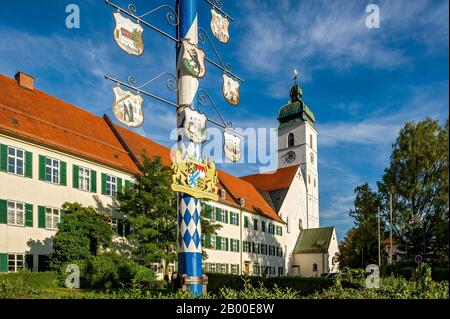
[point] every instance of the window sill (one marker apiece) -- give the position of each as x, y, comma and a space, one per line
16, 225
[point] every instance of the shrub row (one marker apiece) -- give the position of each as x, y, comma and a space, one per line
111, 270
304, 286
36, 280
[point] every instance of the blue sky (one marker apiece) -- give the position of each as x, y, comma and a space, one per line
362, 84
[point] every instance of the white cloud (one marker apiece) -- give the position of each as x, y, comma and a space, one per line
317, 34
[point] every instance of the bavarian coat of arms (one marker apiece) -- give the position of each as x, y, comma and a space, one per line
230, 90
128, 35
128, 107
193, 59
219, 26
197, 178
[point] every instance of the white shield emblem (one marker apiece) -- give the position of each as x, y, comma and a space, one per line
128, 35
219, 26
230, 90
193, 59
195, 125
128, 108
232, 146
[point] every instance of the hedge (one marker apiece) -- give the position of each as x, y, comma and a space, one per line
304, 286
36, 280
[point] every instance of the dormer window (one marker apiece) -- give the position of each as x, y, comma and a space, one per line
222, 194
291, 139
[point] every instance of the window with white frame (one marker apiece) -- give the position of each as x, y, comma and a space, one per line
16, 159
221, 215
15, 262
280, 271
234, 244
223, 268
256, 269
212, 267
16, 213
213, 242
271, 250
111, 185
52, 168
84, 179
223, 243
51, 218
245, 247
234, 269
233, 218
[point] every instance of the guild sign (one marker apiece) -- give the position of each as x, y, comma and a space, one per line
128, 108
195, 125
195, 177
193, 59
128, 35
219, 26
230, 90
232, 146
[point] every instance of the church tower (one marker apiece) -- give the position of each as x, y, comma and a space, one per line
297, 145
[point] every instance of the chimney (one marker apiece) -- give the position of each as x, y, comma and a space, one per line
25, 81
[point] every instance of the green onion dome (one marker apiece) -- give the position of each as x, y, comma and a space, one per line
296, 110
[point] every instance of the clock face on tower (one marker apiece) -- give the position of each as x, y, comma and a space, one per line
289, 157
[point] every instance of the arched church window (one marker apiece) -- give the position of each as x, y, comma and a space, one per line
300, 224
291, 139
310, 140
314, 182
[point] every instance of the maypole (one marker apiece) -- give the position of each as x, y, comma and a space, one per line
189, 207
193, 178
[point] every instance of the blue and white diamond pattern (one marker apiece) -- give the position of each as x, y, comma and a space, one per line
190, 225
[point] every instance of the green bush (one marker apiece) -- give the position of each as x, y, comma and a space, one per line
303, 286
111, 270
36, 280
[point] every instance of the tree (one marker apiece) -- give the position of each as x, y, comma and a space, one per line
417, 178
81, 233
150, 207
360, 246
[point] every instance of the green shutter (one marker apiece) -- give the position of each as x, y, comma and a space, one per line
218, 214
103, 184
127, 183
218, 243
245, 222
63, 174
3, 157
42, 167
3, 262
93, 181
75, 176
237, 218
119, 185
29, 215
237, 244
41, 217
263, 226
227, 244
207, 241
29, 164
3, 212
226, 216
29, 261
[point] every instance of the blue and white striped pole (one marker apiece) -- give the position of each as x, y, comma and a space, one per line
189, 208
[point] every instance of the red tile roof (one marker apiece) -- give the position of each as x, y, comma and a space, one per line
53, 123
280, 179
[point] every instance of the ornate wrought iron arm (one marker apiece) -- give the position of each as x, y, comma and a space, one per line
202, 98
170, 85
202, 37
130, 85
131, 13
217, 4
